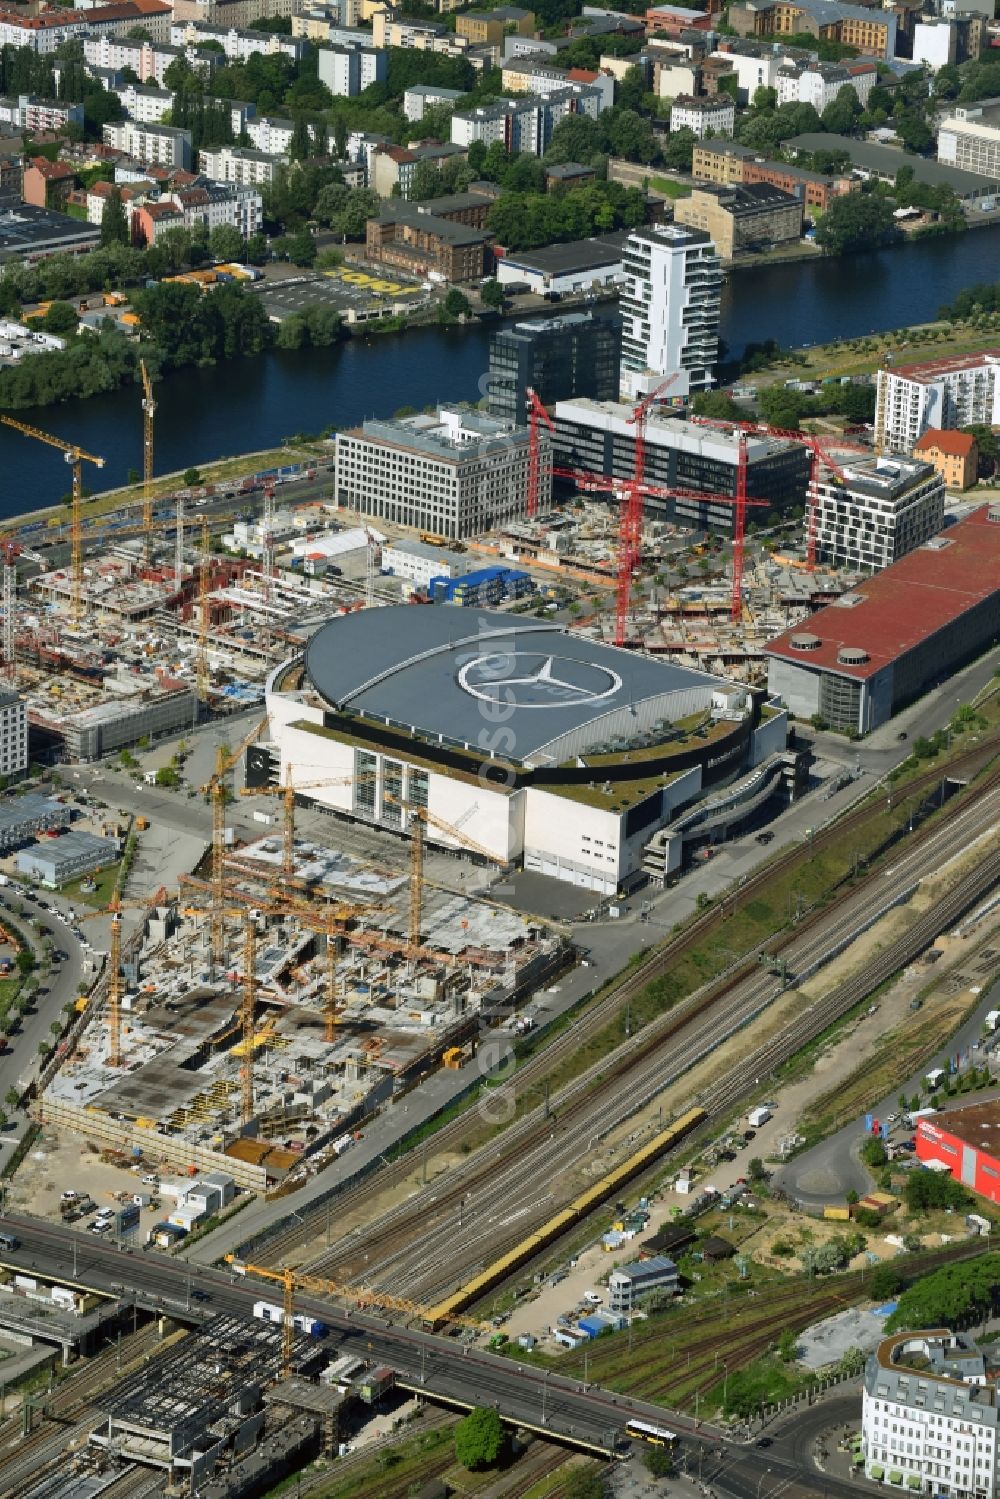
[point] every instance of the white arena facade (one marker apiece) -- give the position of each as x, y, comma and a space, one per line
544, 748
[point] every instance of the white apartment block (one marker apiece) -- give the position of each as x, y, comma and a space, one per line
935, 42
876, 511
524, 123
970, 138
753, 71
146, 106
714, 116
240, 165
270, 134
42, 33
13, 734
348, 71
148, 61
153, 145
948, 393
236, 44
929, 1416
422, 96
819, 83
229, 203
458, 474
28, 113
670, 309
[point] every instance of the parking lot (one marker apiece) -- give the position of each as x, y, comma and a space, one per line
346, 289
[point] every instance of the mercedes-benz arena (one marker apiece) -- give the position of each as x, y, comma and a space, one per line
535, 744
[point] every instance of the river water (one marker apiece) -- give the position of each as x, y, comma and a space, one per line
254, 403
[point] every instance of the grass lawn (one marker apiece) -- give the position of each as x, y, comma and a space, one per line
104, 879
668, 188
863, 356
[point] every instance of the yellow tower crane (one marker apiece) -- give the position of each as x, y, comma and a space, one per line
148, 413
76, 457
204, 588
295, 1280
247, 1014
215, 790
115, 907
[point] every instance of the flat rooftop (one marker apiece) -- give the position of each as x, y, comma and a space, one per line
443, 673
929, 370
25, 228
900, 608
576, 255
886, 161
977, 1125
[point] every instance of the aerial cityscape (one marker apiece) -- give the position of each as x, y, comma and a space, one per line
499, 749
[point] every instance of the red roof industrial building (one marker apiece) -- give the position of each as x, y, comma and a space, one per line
967, 1141
859, 660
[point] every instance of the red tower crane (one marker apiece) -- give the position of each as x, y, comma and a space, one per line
628, 489
536, 413
818, 457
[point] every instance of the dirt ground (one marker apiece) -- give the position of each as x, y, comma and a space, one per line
53, 1166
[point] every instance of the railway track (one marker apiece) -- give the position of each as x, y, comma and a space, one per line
484, 1206
70, 1415
281, 1247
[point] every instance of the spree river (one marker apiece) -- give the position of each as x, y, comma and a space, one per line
252, 404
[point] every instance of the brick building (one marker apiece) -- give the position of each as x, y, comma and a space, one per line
47, 184
446, 236
727, 162
740, 219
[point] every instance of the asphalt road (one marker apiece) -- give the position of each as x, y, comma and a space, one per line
19, 1061
586, 1415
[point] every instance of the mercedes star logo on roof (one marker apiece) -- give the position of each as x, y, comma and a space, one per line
528, 679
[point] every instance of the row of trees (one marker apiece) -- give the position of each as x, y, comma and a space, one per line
522, 221
954, 1296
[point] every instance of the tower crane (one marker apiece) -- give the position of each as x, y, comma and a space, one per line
76, 457
148, 413
296, 1280
114, 909
204, 588
536, 413
819, 458
215, 790
10, 550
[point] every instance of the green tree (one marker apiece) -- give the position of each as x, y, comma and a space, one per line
989, 449
114, 223
61, 319
167, 776
455, 304
191, 477
584, 1483
300, 146
12, 1097
841, 115
679, 150
659, 1462
479, 1439
492, 295
226, 243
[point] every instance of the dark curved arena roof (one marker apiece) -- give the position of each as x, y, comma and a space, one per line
459, 676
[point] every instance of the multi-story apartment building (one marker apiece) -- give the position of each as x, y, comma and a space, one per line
929, 1415
872, 32
392, 30
599, 436
239, 13
875, 511
422, 96
456, 474
148, 60
238, 45
756, 64
240, 164
969, 138
670, 309
153, 145
524, 123
348, 71
147, 106
740, 219
539, 75
271, 134
957, 392
42, 33
558, 358
13, 735
819, 83
27, 112
715, 116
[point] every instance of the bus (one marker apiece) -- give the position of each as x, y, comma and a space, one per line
8, 1241
656, 1436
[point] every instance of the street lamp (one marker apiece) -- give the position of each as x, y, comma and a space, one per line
761, 1480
